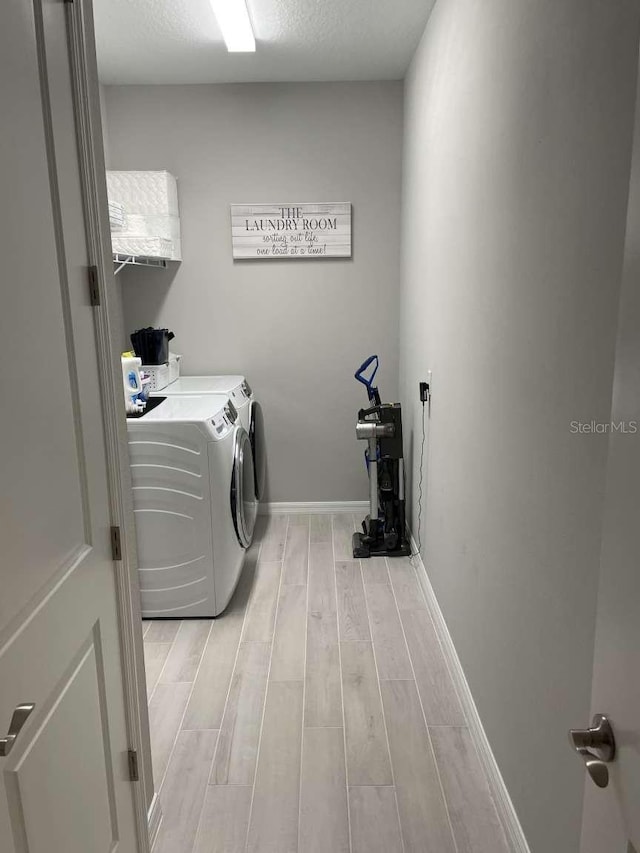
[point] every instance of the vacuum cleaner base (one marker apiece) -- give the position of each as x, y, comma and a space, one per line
364, 547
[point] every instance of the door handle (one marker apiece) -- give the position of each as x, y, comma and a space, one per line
597, 747
18, 719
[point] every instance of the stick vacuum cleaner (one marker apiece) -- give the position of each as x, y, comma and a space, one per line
384, 532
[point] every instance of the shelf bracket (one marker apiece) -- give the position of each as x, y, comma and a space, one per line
122, 261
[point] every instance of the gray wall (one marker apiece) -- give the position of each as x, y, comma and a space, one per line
296, 329
517, 146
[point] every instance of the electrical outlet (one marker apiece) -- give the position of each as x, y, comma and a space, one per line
425, 389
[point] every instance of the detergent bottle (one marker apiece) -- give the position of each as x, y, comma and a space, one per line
132, 382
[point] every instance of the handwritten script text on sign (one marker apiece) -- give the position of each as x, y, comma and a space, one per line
320, 230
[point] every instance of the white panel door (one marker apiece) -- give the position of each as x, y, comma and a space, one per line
611, 820
64, 786
612, 815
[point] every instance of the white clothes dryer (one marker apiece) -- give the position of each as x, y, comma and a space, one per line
249, 411
194, 503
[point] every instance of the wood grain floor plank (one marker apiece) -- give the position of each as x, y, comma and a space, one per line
261, 609
287, 661
374, 820
182, 794
475, 822
186, 652
235, 758
165, 713
273, 826
435, 685
392, 656
423, 815
274, 538
224, 820
343, 525
367, 753
320, 527
324, 821
211, 686
322, 583
296, 554
162, 630
405, 584
155, 655
323, 690
374, 570
353, 622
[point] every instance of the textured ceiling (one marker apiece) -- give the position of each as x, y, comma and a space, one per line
178, 41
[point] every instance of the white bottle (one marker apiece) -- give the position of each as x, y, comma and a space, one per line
131, 382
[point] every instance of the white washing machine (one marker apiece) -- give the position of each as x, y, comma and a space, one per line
249, 411
194, 503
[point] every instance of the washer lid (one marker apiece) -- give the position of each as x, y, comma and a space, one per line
203, 385
187, 408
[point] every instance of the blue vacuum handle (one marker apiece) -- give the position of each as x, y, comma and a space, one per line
372, 391
358, 374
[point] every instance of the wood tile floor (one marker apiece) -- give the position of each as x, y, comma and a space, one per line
316, 714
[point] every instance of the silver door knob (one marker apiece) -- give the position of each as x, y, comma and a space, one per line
18, 719
597, 747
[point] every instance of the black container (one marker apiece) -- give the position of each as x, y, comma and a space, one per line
152, 345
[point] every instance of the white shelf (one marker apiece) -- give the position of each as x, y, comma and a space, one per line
121, 261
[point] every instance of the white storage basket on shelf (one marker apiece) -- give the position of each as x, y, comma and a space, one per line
151, 226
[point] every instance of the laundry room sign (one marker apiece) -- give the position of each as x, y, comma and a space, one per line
320, 230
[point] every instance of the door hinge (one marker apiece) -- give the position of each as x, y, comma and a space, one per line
116, 544
134, 770
94, 291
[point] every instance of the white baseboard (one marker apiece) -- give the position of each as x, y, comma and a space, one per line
504, 805
155, 818
313, 507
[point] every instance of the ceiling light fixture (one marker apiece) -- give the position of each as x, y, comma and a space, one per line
233, 19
